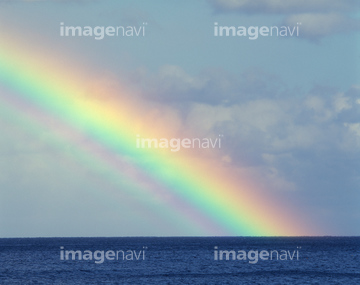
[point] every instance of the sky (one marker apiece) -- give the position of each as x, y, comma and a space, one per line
287, 110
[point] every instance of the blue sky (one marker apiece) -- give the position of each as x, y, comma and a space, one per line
289, 107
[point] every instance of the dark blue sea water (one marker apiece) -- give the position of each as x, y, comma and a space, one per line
147, 260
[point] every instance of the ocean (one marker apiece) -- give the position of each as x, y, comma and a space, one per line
181, 260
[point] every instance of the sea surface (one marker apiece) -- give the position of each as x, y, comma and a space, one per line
180, 260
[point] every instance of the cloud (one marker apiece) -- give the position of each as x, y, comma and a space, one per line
317, 25
304, 146
319, 18
276, 135
282, 7
214, 86
255, 108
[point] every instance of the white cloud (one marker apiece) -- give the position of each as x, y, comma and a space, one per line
203, 117
276, 123
300, 144
319, 108
341, 103
354, 128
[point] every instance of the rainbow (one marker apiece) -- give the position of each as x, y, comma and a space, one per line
102, 123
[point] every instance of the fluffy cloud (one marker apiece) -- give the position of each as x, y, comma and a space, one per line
266, 133
304, 146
